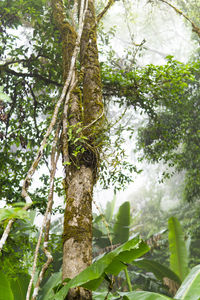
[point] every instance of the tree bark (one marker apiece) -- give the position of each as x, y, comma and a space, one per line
86, 113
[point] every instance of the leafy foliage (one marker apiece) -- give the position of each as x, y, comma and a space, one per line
178, 250
116, 227
159, 270
31, 72
14, 288
172, 133
110, 263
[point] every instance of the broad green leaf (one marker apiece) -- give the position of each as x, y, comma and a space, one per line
143, 296
5, 289
122, 223
190, 288
19, 286
101, 239
178, 250
159, 270
120, 262
102, 295
110, 263
47, 290
110, 206
32, 214
13, 213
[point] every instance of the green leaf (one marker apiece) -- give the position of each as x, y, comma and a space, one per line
68, 163
143, 296
120, 262
19, 286
121, 227
102, 296
5, 290
3, 96
178, 250
13, 213
110, 206
47, 290
190, 288
110, 263
157, 269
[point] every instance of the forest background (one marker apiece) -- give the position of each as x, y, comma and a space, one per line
157, 103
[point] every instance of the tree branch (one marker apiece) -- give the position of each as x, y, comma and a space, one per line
106, 8
32, 75
6, 233
195, 28
46, 223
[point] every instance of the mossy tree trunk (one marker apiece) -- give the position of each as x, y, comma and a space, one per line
85, 113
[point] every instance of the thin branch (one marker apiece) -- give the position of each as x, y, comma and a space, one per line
195, 28
104, 11
74, 82
127, 22
65, 153
11, 62
93, 122
23, 60
46, 224
31, 75
35, 107
74, 13
6, 233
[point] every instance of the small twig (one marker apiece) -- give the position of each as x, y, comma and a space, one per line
6, 233
65, 122
46, 223
195, 28
32, 75
109, 4
14, 61
35, 107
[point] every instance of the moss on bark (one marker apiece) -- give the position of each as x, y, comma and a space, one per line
86, 108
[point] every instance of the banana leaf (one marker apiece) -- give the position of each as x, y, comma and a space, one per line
122, 224
178, 249
19, 286
159, 270
5, 289
190, 288
110, 263
143, 296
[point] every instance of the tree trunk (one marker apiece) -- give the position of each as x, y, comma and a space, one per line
86, 113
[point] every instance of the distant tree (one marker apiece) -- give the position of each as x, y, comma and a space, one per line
172, 132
